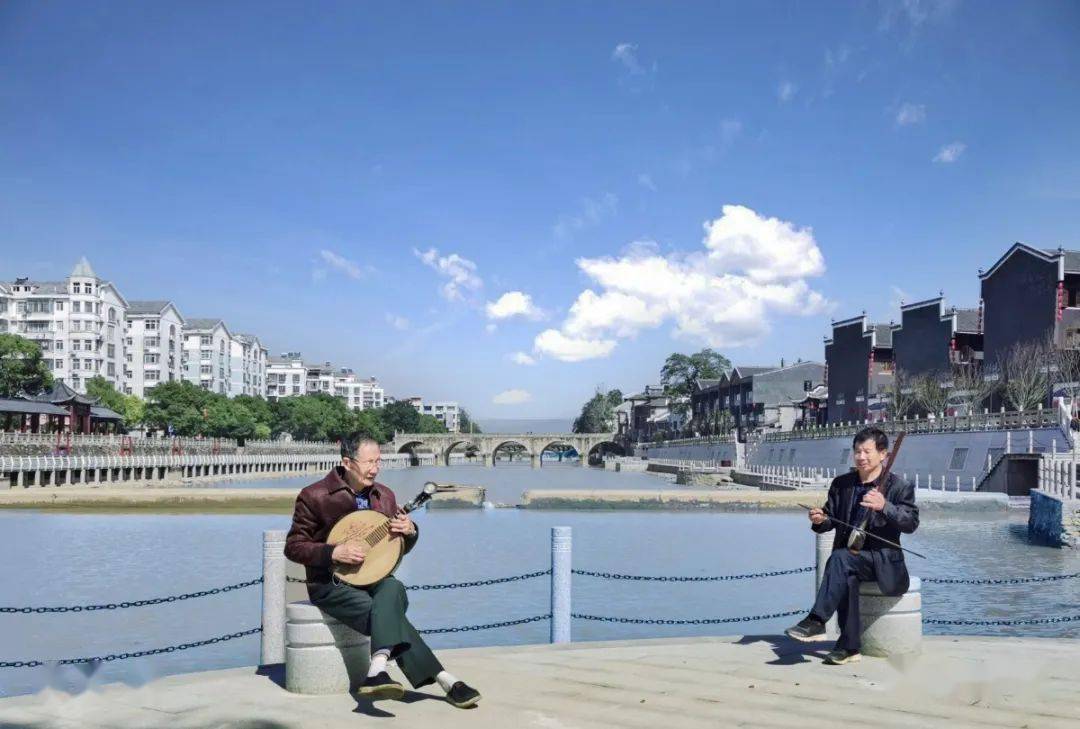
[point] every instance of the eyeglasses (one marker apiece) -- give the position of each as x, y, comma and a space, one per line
366, 461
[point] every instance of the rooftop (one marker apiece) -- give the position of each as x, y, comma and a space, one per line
145, 308
202, 325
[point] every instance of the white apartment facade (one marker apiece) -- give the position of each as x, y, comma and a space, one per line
446, 412
153, 345
359, 394
248, 366
286, 376
208, 354
78, 323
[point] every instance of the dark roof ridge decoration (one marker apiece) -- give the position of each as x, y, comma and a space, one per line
62, 394
1067, 260
860, 319
924, 303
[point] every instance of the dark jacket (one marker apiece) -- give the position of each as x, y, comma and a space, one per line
900, 515
320, 506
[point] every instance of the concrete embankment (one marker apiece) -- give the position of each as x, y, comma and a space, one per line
751, 681
203, 500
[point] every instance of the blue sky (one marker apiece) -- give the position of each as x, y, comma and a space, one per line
364, 182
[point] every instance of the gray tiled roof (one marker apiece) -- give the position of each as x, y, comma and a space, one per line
1072, 261
83, 269
246, 338
967, 320
704, 384
49, 287
143, 308
202, 324
750, 370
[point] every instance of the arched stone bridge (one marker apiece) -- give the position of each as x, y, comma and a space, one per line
487, 445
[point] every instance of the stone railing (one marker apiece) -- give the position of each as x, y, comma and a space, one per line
1007, 420
1057, 477
44, 444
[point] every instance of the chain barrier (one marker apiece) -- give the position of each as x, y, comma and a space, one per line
1032, 621
459, 585
488, 626
1004, 581
693, 621
133, 603
137, 654
666, 578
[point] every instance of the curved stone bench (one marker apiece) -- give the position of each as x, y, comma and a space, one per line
891, 625
322, 656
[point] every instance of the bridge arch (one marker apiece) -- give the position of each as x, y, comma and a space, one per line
454, 443
559, 442
503, 442
611, 446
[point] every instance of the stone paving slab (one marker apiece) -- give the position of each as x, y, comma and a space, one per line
754, 681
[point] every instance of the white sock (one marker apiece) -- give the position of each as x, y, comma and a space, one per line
378, 662
446, 680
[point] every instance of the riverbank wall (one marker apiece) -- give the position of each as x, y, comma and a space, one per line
1054, 520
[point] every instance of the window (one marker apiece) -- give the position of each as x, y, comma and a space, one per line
76, 345
88, 364
151, 375
75, 364
76, 306
296, 389
172, 330
112, 314
76, 288
112, 351
151, 325
59, 345
151, 341
150, 358
206, 370
112, 369
205, 341
59, 306
204, 354
295, 379
59, 364
89, 288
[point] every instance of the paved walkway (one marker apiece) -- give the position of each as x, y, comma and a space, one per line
707, 682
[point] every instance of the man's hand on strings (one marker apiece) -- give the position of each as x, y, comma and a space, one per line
348, 554
873, 500
402, 524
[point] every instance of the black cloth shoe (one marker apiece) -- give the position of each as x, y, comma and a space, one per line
381, 686
840, 656
462, 695
808, 629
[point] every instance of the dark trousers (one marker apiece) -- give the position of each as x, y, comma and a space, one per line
378, 611
839, 593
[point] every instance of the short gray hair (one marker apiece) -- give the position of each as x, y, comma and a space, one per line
352, 443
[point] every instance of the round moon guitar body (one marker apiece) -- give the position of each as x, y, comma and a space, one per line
371, 531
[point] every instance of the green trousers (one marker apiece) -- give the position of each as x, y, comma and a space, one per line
378, 611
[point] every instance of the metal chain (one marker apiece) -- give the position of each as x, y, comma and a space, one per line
1004, 581
467, 628
136, 654
1032, 621
132, 603
458, 585
695, 621
666, 578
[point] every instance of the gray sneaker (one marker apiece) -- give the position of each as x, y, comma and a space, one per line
808, 629
840, 656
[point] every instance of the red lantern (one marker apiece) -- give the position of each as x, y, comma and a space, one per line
1060, 299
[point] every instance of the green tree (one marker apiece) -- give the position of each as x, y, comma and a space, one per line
430, 424
22, 370
401, 416
182, 405
598, 413
129, 406
134, 410
262, 410
680, 371
466, 424
314, 417
227, 418
370, 423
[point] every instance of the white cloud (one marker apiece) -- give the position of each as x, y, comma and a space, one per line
460, 271
522, 358
950, 153
914, 13
554, 343
514, 303
593, 211
512, 397
397, 322
491, 328
646, 181
349, 268
786, 91
752, 269
626, 54
910, 114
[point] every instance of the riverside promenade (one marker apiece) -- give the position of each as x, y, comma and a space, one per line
751, 681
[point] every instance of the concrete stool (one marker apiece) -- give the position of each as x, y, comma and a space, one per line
891, 625
322, 656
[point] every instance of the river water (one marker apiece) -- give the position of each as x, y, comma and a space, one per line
67, 559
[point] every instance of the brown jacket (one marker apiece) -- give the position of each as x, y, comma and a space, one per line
318, 508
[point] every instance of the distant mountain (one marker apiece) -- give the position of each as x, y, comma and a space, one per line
538, 425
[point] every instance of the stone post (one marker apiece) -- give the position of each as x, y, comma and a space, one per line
561, 561
273, 598
824, 544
